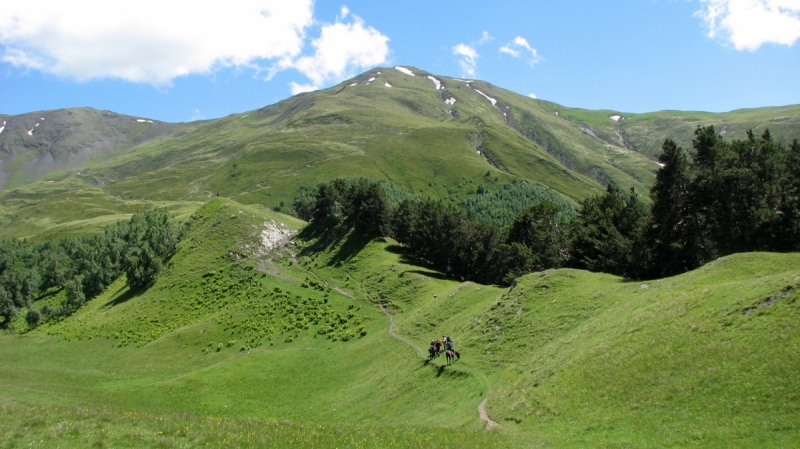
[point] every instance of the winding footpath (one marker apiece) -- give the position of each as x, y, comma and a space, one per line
482, 406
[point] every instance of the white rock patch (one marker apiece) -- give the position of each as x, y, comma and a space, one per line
436, 83
494, 101
275, 235
615, 118
405, 70
244, 116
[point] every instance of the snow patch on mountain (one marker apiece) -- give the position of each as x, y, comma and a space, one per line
405, 70
436, 83
492, 100
451, 101
3, 127
30, 133
387, 85
371, 79
615, 117
354, 84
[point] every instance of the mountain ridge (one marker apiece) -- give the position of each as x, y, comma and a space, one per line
434, 135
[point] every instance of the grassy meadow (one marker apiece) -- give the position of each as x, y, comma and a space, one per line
238, 346
254, 336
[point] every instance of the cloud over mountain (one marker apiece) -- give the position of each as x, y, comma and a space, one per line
520, 48
467, 59
154, 42
748, 24
340, 49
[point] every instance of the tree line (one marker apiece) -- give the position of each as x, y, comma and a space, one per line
723, 197
84, 267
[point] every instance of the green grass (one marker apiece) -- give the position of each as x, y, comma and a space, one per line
231, 339
406, 134
212, 341
72, 427
585, 360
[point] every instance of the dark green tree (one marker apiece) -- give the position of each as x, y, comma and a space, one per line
542, 230
608, 231
673, 234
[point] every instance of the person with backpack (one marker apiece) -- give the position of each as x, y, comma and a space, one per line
448, 344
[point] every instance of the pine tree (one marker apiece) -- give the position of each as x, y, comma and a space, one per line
672, 235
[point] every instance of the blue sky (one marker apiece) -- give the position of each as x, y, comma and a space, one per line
166, 61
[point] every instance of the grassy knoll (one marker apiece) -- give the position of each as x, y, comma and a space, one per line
240, 343
239, 338
585, 359
67, 204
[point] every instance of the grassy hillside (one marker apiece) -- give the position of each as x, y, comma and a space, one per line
434, 135
234, 331
38, 143
645, 133
245, 330
581, 359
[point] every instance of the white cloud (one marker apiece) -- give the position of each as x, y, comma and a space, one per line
340, 49
748, 24
197, 115
154, 42
468, 57
520, 48
149, 41
485, 37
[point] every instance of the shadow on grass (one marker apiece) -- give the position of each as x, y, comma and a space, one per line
348, 241
50, 293
431, 274
125, 297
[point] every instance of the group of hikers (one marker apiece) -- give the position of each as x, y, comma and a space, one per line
436, 348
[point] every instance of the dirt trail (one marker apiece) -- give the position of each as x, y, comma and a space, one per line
482, 406
394, 334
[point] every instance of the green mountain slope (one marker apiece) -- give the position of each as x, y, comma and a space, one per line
247, 322
435, 135
38, 143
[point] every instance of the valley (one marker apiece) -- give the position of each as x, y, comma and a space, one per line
264, 330
573, 358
